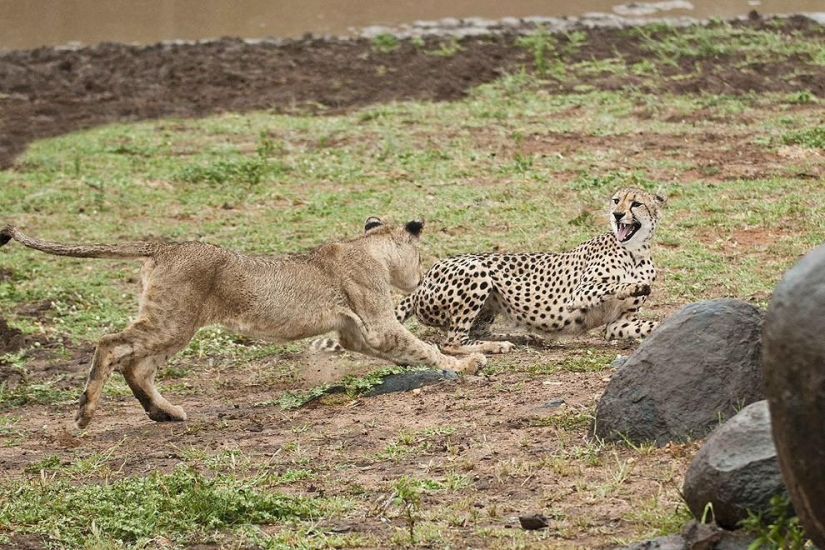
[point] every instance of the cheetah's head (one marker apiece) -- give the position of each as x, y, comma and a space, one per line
633, 216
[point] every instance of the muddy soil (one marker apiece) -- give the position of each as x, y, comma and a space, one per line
49, 91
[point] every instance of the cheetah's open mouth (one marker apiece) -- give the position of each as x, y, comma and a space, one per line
625, 231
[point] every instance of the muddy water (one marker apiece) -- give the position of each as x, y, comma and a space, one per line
33, 23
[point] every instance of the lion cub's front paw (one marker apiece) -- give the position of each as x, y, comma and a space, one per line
471, 364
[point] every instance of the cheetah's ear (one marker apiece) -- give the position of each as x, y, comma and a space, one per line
414, 227
661, 199
372, 222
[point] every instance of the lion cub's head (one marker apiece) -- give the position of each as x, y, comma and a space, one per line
398, 248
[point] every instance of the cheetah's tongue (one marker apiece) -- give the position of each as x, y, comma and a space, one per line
623, 230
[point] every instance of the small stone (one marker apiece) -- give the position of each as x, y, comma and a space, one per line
618, 361
533, 522
701, 536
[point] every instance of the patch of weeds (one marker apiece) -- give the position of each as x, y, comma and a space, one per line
446, 48
590, 362
17, 360
575, 40
289, 476
297, 399
184, 507
384, 43
610, 181
813, 138
231, 460
172, 371
779, 529
11, 435
585, 219
357, 385
44, 393
95, 465
521, 165
644, 448
802, 97
599, 67
266, 146
542, 45
407, 497
568, 420
244, 171
644, 68
51, 462
660, 518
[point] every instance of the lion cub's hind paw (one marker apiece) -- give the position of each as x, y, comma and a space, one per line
171, 414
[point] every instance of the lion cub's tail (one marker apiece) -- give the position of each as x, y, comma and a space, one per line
119, 251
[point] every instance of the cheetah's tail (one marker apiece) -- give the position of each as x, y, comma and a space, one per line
405, 309
119, 251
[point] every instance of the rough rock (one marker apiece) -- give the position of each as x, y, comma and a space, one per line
410, 380
693, 372
670, 542
736, 470
794, 370
532, 522
697, 536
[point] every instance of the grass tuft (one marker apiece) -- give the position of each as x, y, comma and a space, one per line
184, 507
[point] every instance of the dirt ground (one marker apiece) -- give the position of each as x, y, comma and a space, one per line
499, 430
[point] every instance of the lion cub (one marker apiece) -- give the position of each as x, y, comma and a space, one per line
342, 286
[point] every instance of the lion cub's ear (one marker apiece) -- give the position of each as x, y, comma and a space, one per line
372, 222
414, 227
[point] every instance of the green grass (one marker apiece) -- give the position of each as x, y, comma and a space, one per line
722, 39
184, 507
813, 138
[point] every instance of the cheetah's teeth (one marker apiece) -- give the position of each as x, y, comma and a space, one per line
625, 231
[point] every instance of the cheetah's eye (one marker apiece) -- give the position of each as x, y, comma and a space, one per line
635, 204
616, 201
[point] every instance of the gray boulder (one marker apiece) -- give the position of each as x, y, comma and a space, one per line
693, 372
794, 370
697, 536
736, 470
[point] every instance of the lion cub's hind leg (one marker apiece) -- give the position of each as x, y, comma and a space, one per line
136, 352
166, 322
140, 375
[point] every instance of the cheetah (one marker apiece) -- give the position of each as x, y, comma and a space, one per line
342, 286
601, 282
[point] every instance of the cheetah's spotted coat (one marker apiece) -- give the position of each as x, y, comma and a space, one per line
601, 282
